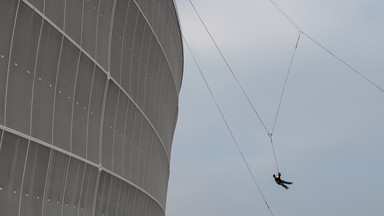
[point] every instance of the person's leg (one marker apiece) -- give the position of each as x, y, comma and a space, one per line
285, 182
285, 186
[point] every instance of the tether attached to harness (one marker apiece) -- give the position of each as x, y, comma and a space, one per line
274, 153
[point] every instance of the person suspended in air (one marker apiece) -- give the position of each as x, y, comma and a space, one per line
281, 182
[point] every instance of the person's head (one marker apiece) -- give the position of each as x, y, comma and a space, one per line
276, 176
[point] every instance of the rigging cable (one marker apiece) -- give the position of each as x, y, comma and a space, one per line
229, 129
242, 89
274, 153
281, 99
322, 46
229, 67
285, 83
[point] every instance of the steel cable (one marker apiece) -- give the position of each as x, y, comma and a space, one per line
322, 46
229, 129
229, 67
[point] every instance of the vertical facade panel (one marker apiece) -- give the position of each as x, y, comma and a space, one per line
119, 133
87, 147
128, 138
103, 194
143, 74
7, 17
54, 10
64, 93
74, 184
117, 37
89, 26
12, 157
22, 68
73, 19
108, 127
114, 191
45, 78
142, 149
135, 57
88, 191
34, 179
135, 147
130, 26
128, 39
138, 204
55, 184
80, 106
127, 203
153, 68
123, 195
94, 115
149, 83
103, 30
39, 4
131, 201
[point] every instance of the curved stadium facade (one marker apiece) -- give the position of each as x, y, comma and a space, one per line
88, 105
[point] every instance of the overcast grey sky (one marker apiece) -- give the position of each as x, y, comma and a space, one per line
329, 137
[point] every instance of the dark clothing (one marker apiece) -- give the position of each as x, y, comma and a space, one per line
281, 182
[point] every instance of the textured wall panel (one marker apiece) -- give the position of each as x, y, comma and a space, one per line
39, 4
7, 18
54, 10
103, 32
118, 136
109, 125
118, 32
35, 179
89, 30
12, 159
80, 106
94, 115
55, 183
88, 105
88, 191
128, 147
73, 19
130, 25
64, 93
22, 69
73, 187
44, 83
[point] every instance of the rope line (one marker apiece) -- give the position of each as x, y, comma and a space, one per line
281, 99
323, 47
274, 153
345, 63
229, 129
285, 83
242, 89
229, 67
285, 14
240, 86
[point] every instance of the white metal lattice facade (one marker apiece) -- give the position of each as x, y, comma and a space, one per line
88, 105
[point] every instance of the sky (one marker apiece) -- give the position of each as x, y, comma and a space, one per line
329, 135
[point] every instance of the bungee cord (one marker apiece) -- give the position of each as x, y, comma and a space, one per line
343, 62
280, 101
323, 47
229, 67
301, 32
274, 153
285, 83
242, 89
269, 133
229, 129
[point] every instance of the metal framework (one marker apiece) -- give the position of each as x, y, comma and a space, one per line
88, 105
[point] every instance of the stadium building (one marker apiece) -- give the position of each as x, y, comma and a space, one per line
88, 105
